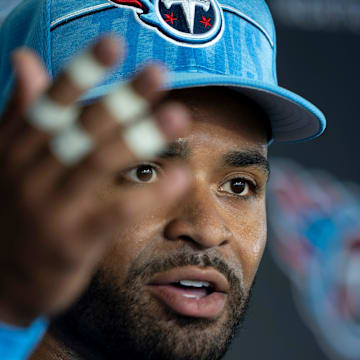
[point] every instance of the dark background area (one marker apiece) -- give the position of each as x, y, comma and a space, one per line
322, 63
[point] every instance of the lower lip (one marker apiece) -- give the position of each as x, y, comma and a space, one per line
210, 306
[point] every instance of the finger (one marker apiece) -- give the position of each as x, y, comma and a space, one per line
115, 153
123, 105
105, 221
85, 71
54, 110
31, 79
126, 106
144, 89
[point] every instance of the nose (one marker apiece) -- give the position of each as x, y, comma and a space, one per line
199, 220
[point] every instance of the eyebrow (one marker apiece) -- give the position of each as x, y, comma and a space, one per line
237, 158
247, 158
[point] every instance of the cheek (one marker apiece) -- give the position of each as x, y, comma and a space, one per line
132, 240
125, 248
249, 242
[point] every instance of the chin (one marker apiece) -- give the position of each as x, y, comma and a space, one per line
111, 321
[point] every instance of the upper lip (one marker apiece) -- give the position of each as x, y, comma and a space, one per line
216, 279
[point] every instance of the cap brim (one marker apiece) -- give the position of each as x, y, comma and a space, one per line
293, 119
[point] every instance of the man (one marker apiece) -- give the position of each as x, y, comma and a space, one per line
157, 199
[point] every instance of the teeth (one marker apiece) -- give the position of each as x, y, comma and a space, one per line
197, 284
191, 296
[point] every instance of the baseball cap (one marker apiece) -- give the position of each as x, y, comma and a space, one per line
228, 43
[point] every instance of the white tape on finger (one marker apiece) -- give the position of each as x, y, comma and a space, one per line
85, 71
47, 115
72, 145
125, 105
144, 138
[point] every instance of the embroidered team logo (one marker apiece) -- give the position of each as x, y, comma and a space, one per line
186, 22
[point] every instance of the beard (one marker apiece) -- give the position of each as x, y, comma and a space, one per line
113, 322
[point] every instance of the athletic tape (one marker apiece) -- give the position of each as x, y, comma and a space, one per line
144, 138
125, 105
85, 71
45, 114
72, 145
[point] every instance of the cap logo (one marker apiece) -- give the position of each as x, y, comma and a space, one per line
194, 23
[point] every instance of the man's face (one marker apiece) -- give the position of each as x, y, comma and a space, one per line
214, 235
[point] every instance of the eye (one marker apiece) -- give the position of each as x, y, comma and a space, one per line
237, 186
143, 174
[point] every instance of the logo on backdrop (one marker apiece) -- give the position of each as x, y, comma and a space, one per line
186, 22
315, 220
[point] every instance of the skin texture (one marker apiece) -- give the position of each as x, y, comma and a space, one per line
208, 227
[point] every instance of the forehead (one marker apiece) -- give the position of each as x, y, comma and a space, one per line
223, 119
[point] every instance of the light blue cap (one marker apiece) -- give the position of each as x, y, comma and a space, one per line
202, 42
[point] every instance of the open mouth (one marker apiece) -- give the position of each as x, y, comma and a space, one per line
194, 289
191, 291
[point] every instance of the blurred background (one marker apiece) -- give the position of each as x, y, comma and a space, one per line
306, 302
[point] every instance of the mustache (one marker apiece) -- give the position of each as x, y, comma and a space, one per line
184, 258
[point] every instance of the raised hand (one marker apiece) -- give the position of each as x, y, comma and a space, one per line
54, 154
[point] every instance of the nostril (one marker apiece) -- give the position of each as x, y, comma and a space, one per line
186, 238
178, 229
200, 236
196, 244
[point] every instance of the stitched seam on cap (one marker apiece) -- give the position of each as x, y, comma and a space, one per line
79, 13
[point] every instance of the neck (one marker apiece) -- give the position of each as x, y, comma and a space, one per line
52, 348
58, 346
